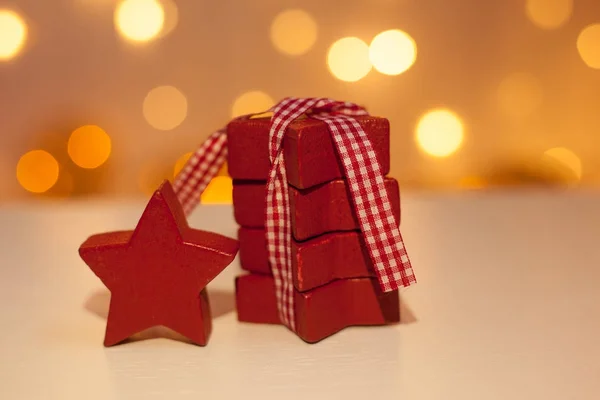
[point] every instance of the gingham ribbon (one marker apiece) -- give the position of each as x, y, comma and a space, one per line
200, 169
364, 177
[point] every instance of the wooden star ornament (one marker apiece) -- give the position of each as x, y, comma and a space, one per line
157, 273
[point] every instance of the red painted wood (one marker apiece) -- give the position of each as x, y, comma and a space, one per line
310, 155
248, 200
254, 256
328, 208
315, 262
157, 273
341, 255
255, 299
321, 312
314, 211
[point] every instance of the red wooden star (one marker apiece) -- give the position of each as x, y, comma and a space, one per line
157, 273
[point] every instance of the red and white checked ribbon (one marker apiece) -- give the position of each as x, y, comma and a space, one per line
364, 176
200, 169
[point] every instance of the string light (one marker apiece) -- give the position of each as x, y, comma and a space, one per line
13, 34
439, 132
165, 108
139, 20
348, 59
393, 52
37, 171
293, 32
251, 102
89, 146
588, 45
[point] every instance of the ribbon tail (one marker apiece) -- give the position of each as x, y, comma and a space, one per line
371, 203
278, 232
200, 169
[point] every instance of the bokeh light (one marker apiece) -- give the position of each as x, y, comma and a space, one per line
13, 33
549, 14
392, 52
139, 20
251, 102
165, 108
171, 17
89, 146
348, 59
152, 174
180, 163
294, 32
472, 182
64, 186
565, 158
520, 94
37, 171
224, 171
588, 45
439, 132
218, 191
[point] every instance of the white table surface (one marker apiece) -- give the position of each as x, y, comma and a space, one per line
507, 307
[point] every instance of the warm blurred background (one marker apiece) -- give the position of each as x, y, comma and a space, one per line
106, 97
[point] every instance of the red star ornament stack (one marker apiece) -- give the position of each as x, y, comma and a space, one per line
157, 274
333, 276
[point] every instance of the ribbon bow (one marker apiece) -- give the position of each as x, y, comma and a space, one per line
364, 178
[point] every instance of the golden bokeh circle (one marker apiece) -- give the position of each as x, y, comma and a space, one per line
171, 17
565, 158
439, 132
165, 108
393, 52
348, 59
139, 20
89, 146
13, 34
37, 171
588, 45
293, 32
251, 102
549, 14
520, 94
180, 163
218, 191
